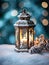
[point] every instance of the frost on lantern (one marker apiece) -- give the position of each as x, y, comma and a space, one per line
24, 29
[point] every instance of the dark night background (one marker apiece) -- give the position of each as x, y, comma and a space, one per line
7, 20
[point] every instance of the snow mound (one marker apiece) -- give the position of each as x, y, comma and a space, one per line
8, 56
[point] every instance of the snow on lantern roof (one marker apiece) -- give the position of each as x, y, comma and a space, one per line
24, 14
24, 23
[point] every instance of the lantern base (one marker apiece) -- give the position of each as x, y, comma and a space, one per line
21, 50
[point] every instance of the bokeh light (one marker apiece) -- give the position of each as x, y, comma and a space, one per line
7, 15
1, 24
21, 4
12, 39
44, 4
14, 13
45, 22
5, 5
45, 13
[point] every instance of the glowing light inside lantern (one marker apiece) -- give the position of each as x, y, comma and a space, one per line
45, 22
23, 36
24, 40
44, 4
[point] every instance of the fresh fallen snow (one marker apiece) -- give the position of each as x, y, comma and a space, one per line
8, 56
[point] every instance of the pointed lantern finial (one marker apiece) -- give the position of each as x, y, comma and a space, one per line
24, 11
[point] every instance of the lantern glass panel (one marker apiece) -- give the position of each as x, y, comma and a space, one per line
23, 38
31, 36
17, 36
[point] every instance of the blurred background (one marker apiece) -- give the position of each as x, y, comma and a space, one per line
9, 9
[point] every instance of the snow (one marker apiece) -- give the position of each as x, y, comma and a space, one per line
22, 15
8, 56
24, 23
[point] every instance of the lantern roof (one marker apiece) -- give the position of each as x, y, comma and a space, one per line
24, 14
24, 22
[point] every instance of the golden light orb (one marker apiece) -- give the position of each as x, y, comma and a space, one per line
44, 4
5, 5
45, 22
45, 13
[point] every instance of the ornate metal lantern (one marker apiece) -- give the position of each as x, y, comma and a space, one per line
24, 29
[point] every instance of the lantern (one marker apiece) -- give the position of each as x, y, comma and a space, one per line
24, 31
